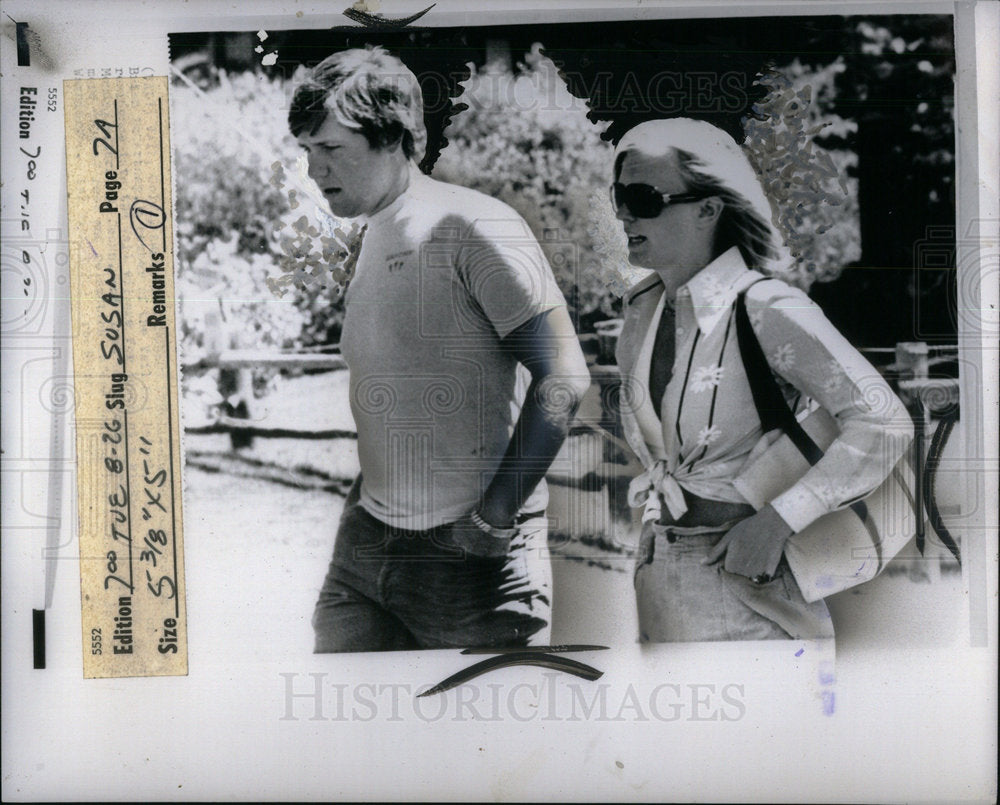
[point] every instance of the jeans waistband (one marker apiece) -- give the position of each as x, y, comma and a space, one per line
702, 512
672, 533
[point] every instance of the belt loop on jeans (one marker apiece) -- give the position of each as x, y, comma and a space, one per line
673, 533
660, 530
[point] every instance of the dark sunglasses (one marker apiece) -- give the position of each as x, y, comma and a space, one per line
645, 201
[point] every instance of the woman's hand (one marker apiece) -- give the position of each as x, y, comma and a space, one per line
753, 547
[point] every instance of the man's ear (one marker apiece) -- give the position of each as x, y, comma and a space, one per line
709, 210
394, 140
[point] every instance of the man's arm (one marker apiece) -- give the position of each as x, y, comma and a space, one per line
548, 346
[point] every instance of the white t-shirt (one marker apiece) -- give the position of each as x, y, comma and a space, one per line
444, 274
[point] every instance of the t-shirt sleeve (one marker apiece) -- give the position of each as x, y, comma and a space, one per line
506, 273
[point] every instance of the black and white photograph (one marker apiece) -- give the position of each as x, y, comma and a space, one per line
461, 314
550, 401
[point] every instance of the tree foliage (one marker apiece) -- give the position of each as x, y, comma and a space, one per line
525, 140
870, 100
228, 212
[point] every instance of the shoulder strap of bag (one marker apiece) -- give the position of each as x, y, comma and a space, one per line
767, 397
771, 406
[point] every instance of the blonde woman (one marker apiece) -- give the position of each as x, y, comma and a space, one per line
710, 566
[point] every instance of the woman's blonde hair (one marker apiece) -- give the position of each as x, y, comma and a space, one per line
711, 163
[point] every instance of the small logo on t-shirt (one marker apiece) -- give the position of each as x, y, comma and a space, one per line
394, 262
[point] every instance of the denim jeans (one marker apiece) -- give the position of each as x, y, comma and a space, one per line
389, 589
681, 600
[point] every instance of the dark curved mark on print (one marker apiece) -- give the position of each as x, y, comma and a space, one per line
517, 658
938, 441
561, 649
378, 21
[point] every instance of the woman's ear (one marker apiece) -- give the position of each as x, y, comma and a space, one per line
709, 210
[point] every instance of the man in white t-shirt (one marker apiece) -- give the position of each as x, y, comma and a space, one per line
465, 374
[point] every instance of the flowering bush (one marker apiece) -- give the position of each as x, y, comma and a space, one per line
226, 210
525, 140
248, 234
261, 258
815, 202
224, 142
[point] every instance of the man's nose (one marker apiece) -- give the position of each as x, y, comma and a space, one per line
318, 167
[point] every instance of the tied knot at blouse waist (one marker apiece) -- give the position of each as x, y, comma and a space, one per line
656, 487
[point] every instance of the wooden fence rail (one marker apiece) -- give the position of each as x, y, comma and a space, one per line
924, 397
256, 358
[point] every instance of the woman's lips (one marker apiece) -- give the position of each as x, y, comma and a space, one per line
636, 240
